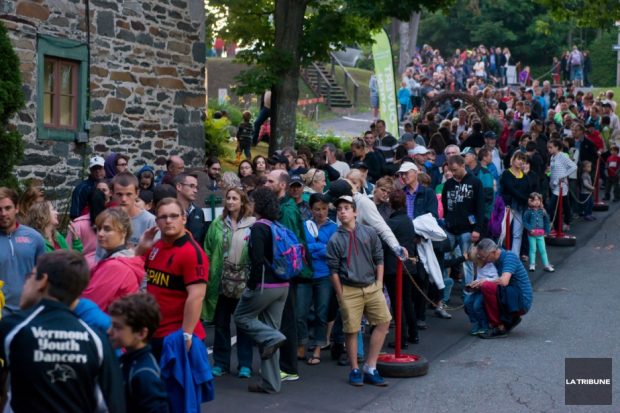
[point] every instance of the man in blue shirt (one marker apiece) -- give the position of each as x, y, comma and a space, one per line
20, 246
508, 297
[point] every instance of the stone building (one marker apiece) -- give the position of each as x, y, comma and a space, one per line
133, 83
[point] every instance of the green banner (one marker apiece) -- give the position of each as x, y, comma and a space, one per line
384, 73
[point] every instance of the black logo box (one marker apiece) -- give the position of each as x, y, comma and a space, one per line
588, 381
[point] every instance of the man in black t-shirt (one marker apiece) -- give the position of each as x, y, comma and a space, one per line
56, 362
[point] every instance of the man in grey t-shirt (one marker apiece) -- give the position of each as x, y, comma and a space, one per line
125, 191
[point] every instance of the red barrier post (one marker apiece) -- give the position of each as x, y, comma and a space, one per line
398, 309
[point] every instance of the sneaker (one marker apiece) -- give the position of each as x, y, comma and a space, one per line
441, 313
515, 322
217, 371
288, 376
566, 228
244, 373
475, 328
356, 378
421, 325
375, 379
494, 333
549, 268
532, 267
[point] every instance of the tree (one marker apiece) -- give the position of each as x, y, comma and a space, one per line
592, 13
525, 27
11, 100
281, 36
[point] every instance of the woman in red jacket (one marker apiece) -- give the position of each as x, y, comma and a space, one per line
119, 273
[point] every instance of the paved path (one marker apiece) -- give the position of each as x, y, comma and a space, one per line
574, 314
347, 125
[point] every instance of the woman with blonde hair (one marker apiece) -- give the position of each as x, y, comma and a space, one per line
381, 196
119, 272
315, 182
226, 245
43, 217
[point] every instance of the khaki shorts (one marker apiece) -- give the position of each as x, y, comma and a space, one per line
356, 301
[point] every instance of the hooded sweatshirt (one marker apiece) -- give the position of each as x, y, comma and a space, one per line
463, 205
116, 276
147, 168
354, 255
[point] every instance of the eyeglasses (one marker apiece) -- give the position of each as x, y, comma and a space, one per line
192, 186
121, 164
171, 217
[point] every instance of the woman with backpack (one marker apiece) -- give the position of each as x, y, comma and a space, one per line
226, 245
259, 312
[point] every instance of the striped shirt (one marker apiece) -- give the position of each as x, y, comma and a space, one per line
509, 262
561, 168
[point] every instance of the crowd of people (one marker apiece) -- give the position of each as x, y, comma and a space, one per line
429, 73
149, 261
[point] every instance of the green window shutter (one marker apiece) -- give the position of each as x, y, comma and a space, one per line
69, 50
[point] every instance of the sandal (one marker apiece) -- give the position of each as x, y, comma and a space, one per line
313, 361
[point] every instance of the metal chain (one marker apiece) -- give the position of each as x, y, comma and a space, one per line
415, 284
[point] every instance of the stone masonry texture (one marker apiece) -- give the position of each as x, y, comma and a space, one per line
147, 83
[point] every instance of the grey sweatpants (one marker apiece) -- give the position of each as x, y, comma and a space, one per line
259, 314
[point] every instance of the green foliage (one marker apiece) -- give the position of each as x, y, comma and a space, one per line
217, 133
315, 142
525, 27
11, 100
326, 25
234, 113
592, 13
603, 60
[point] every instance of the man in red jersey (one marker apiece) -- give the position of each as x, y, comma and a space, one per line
177, 270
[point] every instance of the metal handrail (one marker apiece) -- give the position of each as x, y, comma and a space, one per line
327, 82
347, 76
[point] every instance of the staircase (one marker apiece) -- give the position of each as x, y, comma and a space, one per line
323, 84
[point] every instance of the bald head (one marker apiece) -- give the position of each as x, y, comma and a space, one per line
175, 165
277, 181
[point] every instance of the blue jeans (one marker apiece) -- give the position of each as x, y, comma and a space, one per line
315, 294
587, 205
517, 231
474, 307
464, 242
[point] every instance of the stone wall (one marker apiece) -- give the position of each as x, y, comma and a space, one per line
147, 92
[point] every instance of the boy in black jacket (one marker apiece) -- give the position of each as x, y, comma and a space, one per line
463, 205
134, 320
56, 362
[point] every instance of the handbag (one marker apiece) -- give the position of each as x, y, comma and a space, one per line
234, 276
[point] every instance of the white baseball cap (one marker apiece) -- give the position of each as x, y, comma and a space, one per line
418, 150
96, 161
407, 166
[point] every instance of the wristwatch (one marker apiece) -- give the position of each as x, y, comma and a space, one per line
187, 337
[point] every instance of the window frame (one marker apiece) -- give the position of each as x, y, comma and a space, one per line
62, 50
57, 93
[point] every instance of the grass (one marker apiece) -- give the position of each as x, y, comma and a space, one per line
362, 77
229, 164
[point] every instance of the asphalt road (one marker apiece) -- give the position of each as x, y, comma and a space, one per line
574, 314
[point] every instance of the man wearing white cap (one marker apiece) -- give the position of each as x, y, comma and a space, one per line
418, 154
79, 198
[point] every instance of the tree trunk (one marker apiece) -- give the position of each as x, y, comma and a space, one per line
403, 57
288, 22
414, 25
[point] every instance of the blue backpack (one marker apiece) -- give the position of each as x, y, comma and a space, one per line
288, 252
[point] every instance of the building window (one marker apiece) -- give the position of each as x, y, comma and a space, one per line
60, 93
62, 88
